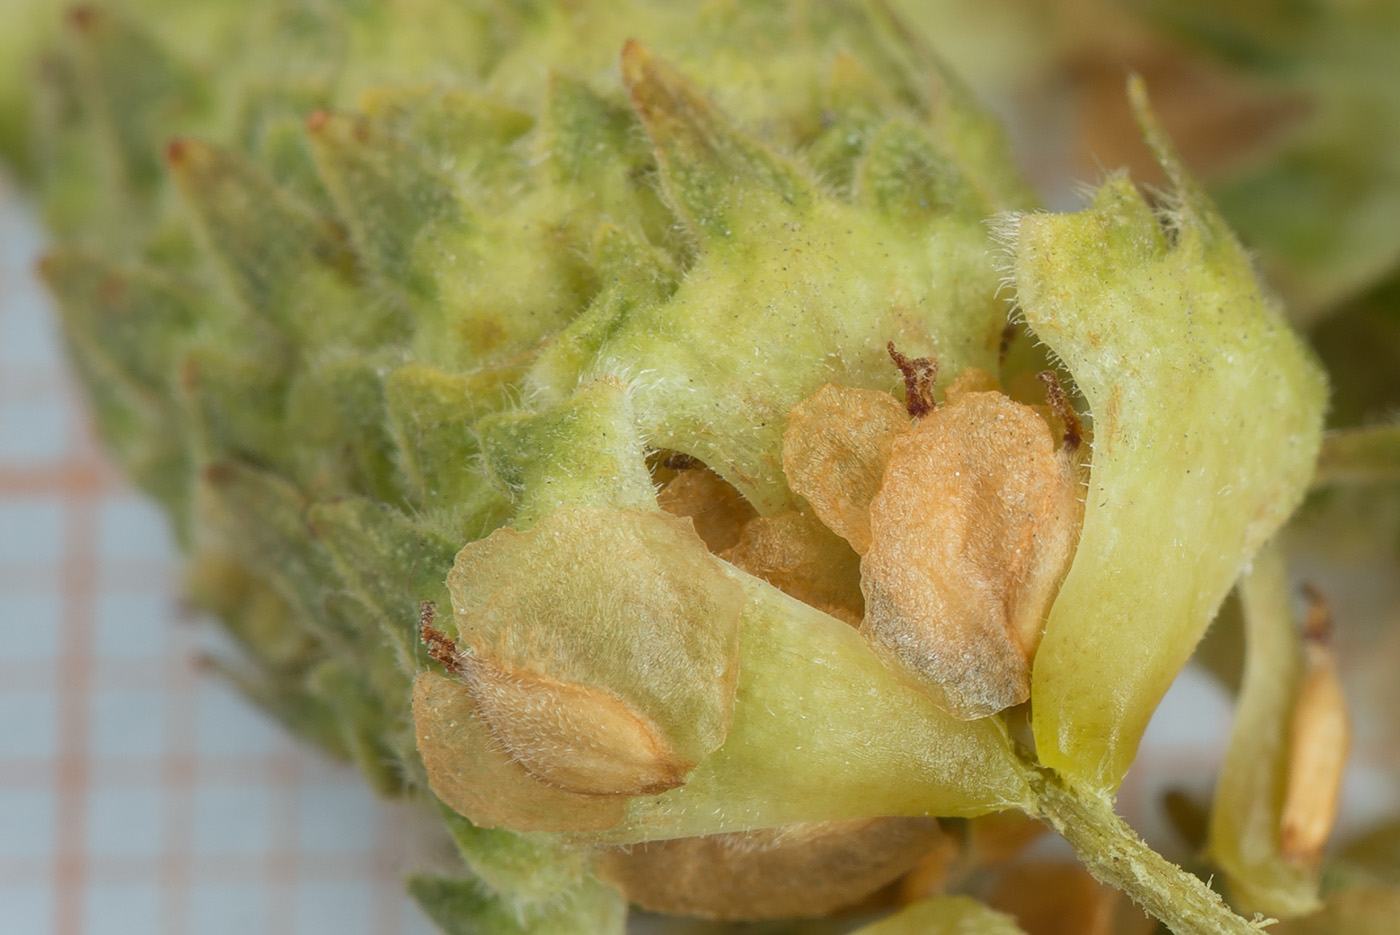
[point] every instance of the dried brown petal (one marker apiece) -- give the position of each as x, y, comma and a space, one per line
718, 511
474, 776
576, 737
972, 531
1054, 898
804, 870
834, 453
799, 555
971, 380
1320, 742
601, 645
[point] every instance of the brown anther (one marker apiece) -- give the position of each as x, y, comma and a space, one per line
1319, 741
679, 461
176, 151
441, 647
316, 120
1059, 401
83, 17
1008, 334
919, 376
1317, 626
219, 473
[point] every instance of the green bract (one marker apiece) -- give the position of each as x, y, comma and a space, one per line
1207, 423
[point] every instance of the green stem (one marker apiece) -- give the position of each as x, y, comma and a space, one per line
1115, 855
1359, 456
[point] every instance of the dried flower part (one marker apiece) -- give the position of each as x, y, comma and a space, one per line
800, 556
972, 529
971, 380
1057, 402
577, 737
802, 870
1054, 898
834, 453
475, 776
920, 374
718, 511
601, 647
1320, 742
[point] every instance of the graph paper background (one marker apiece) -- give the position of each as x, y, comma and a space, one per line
139, 795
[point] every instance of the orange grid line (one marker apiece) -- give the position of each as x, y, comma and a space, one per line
75, 674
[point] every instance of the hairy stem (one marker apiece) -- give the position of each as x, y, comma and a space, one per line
1359, 456
1115, 855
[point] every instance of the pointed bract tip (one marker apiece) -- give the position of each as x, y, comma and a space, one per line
331, 128
218, 473
189, 157
83, 17
177, 152
657, 93
635, 59
1156, 138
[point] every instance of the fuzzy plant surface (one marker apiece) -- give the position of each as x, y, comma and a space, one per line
600, 422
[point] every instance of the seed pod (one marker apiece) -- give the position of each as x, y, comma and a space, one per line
625, 686
834, 453
802, 870
1319, 742
972, 530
